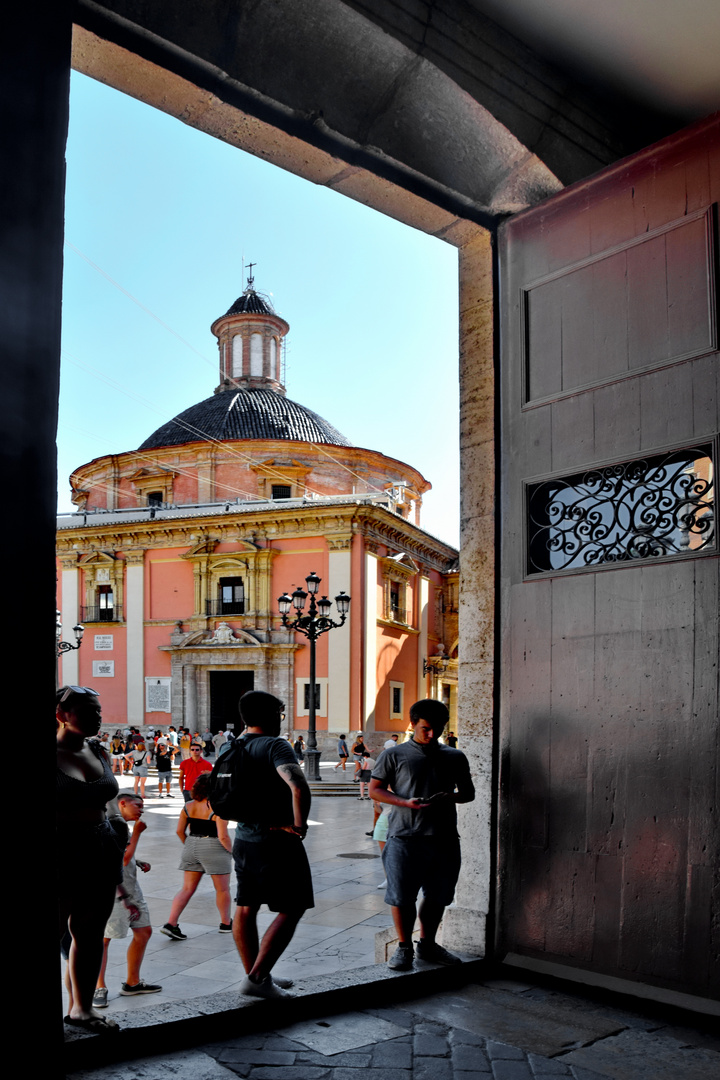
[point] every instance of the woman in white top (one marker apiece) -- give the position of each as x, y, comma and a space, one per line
138, 759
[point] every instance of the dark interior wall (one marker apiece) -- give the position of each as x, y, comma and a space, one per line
35, 81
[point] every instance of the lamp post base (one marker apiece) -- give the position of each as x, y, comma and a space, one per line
312, 765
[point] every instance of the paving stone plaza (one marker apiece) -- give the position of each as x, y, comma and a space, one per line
502, 1025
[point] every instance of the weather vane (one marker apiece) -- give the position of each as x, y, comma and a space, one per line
251, 279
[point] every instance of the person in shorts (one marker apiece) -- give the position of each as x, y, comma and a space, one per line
367, 764
422, 781
164, 754
270, 861
130, 911
138, 759
342, 752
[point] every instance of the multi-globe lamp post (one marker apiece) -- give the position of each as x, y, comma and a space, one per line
312, 625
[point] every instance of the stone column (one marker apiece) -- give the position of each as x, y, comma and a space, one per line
135, 636
70, 662
465, 922
370, 649
338, 703
423, 599
190, 698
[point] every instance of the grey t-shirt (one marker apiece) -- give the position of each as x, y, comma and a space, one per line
417, 772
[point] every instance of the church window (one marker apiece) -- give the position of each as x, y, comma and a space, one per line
155, 498
396, 700
281, 491
232, 596
302, 707
237, 356
104, 609
395, 602
274, 373
306, 697
256, 354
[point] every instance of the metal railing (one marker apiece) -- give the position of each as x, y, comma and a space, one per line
224, 607
94, 613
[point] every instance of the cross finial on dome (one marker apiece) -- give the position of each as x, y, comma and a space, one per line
250, 278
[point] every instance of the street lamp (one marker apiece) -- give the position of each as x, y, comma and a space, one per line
436, 666
65, 646
316, 622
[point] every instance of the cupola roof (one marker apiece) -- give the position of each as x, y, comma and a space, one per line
245, 414
251, 303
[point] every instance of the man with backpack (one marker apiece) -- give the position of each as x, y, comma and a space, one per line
259, 784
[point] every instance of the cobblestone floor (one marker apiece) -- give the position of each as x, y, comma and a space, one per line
453, 1035
423, 1051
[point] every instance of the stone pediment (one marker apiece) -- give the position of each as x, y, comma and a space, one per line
97, 558
400, 566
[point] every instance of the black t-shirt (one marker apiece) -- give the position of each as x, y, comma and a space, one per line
269, 793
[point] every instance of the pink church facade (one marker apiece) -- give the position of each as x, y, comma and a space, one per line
179, 550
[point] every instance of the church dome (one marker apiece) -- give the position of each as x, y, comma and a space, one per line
245, 414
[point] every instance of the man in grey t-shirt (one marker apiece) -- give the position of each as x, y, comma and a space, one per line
423, 781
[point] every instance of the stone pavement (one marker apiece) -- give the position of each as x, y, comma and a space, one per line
498, 1029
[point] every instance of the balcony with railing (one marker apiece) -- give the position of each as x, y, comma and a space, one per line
394, 613
216, 608
95, 613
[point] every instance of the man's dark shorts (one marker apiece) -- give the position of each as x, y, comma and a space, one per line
274, 871
412, 863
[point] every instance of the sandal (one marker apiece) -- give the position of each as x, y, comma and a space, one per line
96, 1025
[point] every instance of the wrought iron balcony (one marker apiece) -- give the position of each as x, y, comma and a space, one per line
224, 607
94, 613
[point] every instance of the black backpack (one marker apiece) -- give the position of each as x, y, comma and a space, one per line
234, 781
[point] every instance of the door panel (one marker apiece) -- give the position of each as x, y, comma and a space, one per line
608, 720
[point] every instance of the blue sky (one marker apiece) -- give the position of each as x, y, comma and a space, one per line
169, 214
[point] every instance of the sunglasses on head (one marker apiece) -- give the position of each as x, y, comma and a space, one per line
77, 690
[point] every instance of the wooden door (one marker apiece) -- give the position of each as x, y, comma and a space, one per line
608, 811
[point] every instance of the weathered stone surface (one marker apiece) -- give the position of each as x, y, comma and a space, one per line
429, 1045
345, 1032
189, 1065
501, 1051
640, 1055
532, 1026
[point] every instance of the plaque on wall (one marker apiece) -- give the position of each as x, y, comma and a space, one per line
157, 695
103, 669
104, 643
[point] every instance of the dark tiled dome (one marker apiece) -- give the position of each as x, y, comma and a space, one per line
245, 414
251, 302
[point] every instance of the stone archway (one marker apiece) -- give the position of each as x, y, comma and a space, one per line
414, 146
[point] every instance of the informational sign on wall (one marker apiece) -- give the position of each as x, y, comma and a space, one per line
104, 642
157, 695
103, 669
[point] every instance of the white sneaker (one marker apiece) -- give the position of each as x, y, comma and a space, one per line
265, 989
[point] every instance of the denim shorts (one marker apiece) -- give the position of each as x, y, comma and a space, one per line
412, 863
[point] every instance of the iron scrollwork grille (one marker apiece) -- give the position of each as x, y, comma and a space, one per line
658, 506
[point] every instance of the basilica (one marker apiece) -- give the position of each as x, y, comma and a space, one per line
178, 552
